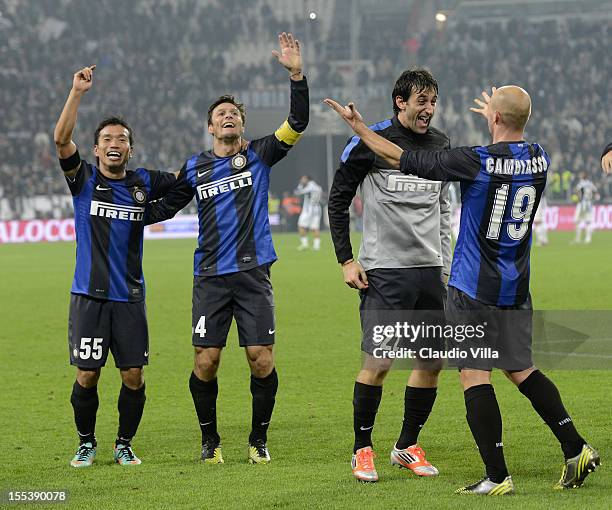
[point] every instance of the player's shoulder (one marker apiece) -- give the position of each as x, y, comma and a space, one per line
355, 146
438, 134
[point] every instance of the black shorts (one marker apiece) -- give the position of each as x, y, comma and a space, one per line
412, 296
499, 336
97, 325
246, 295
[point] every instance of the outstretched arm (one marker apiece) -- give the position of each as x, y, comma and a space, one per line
381, 146
62, 135
458, 164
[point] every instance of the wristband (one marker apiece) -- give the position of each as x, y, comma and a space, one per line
71, 162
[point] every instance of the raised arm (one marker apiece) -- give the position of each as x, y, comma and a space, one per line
289, 56
271, 149
381, 146
458, 164
62, 134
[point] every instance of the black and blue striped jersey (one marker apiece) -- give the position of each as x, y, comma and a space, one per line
109, 223
232, 196
501, 187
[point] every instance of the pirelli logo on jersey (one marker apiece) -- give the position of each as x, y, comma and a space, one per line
116, 211
400, 182
225, 185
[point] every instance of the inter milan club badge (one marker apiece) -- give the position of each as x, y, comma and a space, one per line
238, 161
139, 195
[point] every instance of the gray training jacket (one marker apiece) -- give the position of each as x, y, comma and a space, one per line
406, 219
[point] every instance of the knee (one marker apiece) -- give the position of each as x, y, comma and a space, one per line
206, 365
471, 378
373, 376
132, 377
87, 378
261, 362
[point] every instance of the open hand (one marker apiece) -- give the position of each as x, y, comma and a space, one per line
290, 55
484, 106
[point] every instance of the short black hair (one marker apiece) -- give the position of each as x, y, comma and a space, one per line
412, 81
227, 98
113, 121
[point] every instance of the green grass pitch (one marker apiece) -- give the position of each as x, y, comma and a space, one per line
311, 434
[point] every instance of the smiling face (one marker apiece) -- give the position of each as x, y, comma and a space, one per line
113, 148
226, 122
416, 113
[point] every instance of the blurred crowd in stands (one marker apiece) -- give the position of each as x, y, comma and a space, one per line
564, 64
161, 62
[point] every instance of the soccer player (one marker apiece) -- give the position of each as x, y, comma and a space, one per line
501, 187
586, 192
235, 251
310, 217
606, 159
404, 261
107, 302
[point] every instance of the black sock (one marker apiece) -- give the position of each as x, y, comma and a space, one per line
131, 405
545, 399
418, 403
85, 404
485, 422
204, 394
366, 399
263, 390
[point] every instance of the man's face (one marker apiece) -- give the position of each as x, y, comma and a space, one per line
226, 122
416, 113
113, 148
303, 180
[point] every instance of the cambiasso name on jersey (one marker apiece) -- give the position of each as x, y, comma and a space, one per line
400, 182
116, 212
225, 185
503, 166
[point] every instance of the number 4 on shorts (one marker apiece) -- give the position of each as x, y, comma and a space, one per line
201, 327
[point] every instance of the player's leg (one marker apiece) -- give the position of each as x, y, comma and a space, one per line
380, 305
302, 225
580, 458
484, 419
130, 348
482, 409
254, 313
211, 320
315, 225
264, 385
579, 221
89, 340
589, 226
421, 390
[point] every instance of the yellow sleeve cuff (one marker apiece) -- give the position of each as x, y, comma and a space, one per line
287, 134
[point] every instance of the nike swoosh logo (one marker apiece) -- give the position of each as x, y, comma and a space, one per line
366, 428
146, 353
271, 331
100, 188
264, 423
201, 174
207, 423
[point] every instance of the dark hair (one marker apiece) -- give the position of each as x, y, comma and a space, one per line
226, 99
113, 121
412, 81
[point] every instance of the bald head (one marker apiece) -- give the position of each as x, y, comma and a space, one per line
514, 105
